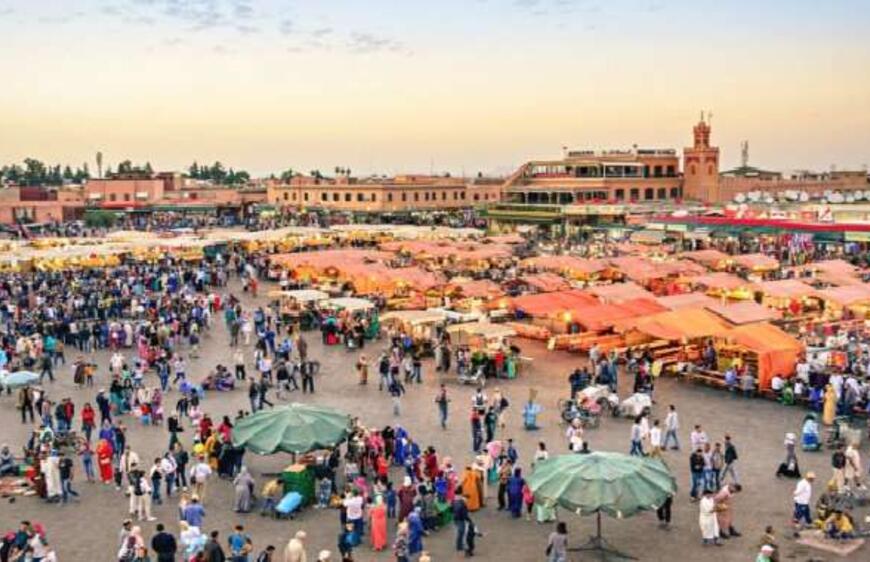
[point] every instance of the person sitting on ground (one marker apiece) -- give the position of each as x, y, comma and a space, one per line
839, 526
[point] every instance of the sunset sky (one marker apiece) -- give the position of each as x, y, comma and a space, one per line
393, 86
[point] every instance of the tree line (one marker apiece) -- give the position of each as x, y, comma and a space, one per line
33, 172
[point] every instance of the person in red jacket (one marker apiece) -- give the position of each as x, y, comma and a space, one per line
88, 420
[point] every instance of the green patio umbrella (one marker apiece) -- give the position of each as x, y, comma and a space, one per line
296, 428
611, 483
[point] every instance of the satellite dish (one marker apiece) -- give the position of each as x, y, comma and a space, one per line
850, 198
803, 197
740, 198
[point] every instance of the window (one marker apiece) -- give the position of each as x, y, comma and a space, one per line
373, 197
646, 171
359, 197
462, 195
671, 172
126, 197
710, 170
692, 169
426, 196
111, 197
404, 197
477, 197
658, 171
620, 194
455, 195
649, 194
443, 195
348, 197
305, 196
389, 197
294, 196
662, 193
336, 197
675, 193
416, 196
286, 196
486, 196
635, 194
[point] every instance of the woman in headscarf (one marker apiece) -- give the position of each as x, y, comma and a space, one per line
515, 493
472, 488
104, 460
378, 523
244, 486
415, 527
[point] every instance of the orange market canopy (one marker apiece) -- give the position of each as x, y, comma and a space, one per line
784, 289
756, 262
479, 289
642, 269
777, 351
620, 292
545, 282
719, 281
744, 312
686, 300
603, 316
847, 295
324, 259
549, 304
713, 259
568, 265
679, 325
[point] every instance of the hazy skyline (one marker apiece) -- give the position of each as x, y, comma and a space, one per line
395, 86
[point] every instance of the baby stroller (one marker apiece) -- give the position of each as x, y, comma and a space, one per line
288, 505
810, 440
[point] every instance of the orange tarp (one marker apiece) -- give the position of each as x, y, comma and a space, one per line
548, 304
777, 351
328, 258
545, 282
457, 251
744, 312
686, 300
601, 316
719, 281
679, 325
785, 289
568, 265
643, 269
846, 295
620, 292
481, 289
711, 258
757, 262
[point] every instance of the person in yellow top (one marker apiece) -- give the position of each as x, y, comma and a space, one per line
839, 526
829, 411
272, 492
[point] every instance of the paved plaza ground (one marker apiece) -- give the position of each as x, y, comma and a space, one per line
87, 530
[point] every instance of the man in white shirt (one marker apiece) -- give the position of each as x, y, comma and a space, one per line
698, 438
803, 494
802, 371
672, 425
353, 503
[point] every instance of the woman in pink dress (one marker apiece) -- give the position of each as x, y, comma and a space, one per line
378, 522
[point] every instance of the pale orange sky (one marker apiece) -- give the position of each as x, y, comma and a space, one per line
398, 86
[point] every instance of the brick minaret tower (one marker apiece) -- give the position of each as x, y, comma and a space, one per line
701, 166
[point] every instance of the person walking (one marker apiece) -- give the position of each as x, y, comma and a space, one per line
730, 461
460, 520
803, 494
442, 400
557, 544
672, 425
164, 545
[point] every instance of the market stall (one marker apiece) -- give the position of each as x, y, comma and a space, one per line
762, 347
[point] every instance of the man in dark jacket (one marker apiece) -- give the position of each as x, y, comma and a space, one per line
164, 545
212, 550
730, 459
460, 519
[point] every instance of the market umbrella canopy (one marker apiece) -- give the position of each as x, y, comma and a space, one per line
296, 428
616, 484
19, 379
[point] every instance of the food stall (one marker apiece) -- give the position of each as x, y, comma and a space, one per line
489, 345
423, 326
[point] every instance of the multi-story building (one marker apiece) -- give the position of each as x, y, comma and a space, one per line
383, 195
616, 176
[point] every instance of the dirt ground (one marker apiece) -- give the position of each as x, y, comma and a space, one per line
88, 529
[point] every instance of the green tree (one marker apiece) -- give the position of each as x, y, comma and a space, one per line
68, 174
287, 175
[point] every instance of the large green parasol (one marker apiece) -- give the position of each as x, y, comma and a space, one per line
297, 428
611, 483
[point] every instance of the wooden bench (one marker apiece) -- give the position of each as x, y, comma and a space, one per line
710, 378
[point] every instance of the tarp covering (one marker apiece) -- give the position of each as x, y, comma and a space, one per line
846, 295
679, 325
710, 258
744, 312
547, 304
482, 329
601, 316
777, 351
784, 289
568, 265
414, 317
620, 292
686, 300
719, 281
642, 269
479, 289
545, 282
756, 262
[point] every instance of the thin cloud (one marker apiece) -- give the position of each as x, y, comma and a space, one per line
286, 27
364, 43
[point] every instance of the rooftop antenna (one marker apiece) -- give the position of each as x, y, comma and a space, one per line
702, 116
744, 153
